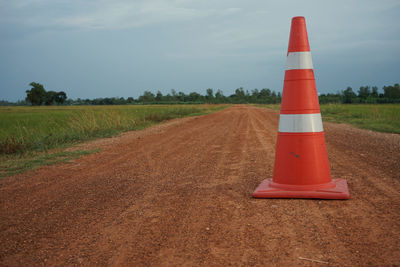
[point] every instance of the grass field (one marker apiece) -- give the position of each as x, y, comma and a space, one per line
35, 136
377, 117
27, 133
40, 128
381, 118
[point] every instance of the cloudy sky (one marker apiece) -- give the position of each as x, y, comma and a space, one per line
106, 48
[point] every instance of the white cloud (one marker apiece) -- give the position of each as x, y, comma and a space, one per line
105, 14
121, 14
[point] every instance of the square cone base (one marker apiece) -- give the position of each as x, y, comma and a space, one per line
340, 191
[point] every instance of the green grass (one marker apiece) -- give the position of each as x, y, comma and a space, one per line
18, 163
40, 128
270, 106
35, 136
376, 117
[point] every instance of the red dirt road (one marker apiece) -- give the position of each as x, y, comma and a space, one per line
180, 194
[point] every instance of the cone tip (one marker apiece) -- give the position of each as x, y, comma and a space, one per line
297, 18
298, 40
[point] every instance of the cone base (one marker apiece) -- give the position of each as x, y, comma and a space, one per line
340, 191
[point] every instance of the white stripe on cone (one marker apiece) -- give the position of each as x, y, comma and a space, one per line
299, 60
300, 123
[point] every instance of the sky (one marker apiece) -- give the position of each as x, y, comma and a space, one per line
120, 48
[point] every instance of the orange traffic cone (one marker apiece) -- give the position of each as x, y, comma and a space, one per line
301, 161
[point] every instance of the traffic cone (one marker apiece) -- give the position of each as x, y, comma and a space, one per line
301, 161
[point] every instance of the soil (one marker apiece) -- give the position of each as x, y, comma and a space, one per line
180, 194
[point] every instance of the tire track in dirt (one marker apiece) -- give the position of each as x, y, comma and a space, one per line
374, 212
181, 195
154, 205
176, 184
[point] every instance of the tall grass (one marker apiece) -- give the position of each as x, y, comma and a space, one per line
40, 128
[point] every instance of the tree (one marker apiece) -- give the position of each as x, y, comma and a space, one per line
265, 92
219, 96
37, 95
255, 93
364, 92
348, 95
210, 94
159, 96
60, 97
194, 97
174, 94
392, 92
50, 98
374, 91
147, 97
181, 97
240, 93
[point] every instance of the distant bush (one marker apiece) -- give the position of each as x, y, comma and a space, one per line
37, 95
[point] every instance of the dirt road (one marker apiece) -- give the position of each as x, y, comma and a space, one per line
180, 194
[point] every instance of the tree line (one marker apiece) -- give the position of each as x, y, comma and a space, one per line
241, 96
37, 95
365, 94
